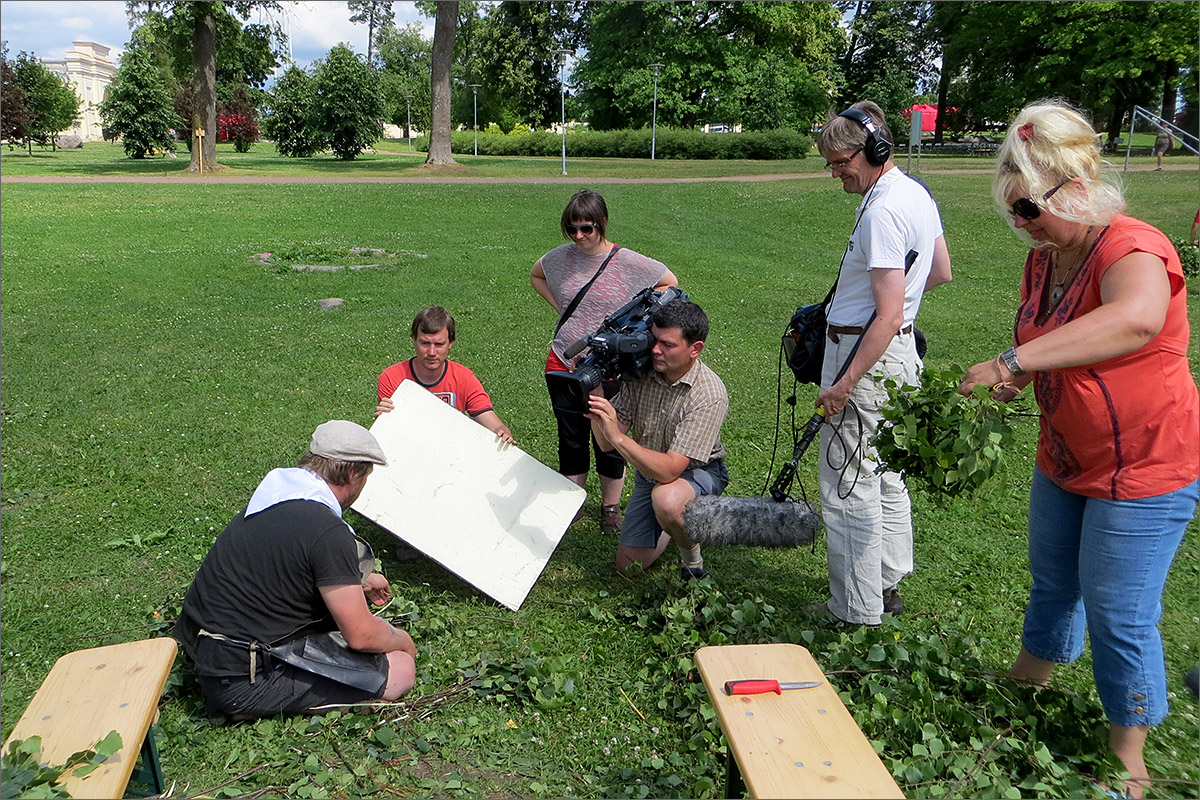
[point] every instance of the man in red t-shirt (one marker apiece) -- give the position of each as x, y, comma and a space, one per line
433, 336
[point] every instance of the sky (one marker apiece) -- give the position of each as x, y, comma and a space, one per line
47, 27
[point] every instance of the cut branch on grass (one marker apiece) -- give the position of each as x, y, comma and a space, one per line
235, 779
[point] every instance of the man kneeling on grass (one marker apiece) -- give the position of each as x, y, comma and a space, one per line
276, 620
676, 413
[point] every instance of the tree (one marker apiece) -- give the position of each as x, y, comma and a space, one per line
378, 15
405, 56
515, 63
15, 114
51, 103
714, 55
204, 25
1103, 56
290, 122
443, 56
347, 105
888, 57
139, 107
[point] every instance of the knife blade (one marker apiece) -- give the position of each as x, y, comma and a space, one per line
763, 686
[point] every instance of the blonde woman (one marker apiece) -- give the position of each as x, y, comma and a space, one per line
1102, 334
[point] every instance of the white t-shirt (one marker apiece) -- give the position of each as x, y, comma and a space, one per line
896, 216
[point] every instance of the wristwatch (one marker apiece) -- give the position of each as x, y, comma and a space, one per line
1009, 357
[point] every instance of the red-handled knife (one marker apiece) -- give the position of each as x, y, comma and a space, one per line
763, 686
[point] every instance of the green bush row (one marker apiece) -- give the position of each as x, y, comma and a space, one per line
760, 145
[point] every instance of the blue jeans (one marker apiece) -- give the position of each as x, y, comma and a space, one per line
1103, 563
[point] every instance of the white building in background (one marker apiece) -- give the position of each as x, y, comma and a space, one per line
90, 71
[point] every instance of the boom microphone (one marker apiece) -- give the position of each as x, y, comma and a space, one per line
756, 521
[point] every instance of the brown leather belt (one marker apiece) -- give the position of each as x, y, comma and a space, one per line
835, 332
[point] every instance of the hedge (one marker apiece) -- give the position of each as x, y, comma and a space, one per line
669, 143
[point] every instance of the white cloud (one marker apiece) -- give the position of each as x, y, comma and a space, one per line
48, 28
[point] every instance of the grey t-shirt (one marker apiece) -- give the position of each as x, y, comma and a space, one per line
568, 268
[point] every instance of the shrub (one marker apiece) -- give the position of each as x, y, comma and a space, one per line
239, 129
669, 143
1188, 255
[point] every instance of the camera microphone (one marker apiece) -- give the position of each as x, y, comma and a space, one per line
753, 521
576, 348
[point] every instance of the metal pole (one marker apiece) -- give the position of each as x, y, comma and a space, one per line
654, 117
562, 83
475, 104
1133, 115
408, 127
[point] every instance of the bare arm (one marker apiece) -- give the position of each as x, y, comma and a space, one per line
667, 281
887, 287
610, 434
537, 276
1134, 295
491, 420
362, 629
939, 272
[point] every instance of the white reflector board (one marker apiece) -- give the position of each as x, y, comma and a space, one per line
488, 512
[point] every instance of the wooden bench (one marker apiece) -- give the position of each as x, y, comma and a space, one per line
91, 692
802, 743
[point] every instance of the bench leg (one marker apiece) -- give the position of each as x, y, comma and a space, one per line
735, 787
149, 769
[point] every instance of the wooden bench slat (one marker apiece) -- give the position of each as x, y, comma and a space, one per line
91, 692
803, 743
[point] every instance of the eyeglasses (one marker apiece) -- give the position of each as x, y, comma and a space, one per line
1025, 208
586, 228
841, 162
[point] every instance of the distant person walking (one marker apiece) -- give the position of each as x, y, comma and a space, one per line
1162, 143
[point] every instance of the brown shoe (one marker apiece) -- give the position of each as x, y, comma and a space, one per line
610, 519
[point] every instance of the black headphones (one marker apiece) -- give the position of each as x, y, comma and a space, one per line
876, 148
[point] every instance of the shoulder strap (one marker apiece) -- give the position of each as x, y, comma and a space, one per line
575, 301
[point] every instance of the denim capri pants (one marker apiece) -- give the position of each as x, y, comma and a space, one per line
1103, 564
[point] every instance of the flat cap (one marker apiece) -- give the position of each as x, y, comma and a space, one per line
346, 441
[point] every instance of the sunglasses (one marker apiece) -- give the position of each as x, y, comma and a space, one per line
1025, 208
586, 229
841, 162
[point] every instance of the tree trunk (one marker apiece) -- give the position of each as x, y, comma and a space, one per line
943, 91
443, 55
1170, 84
204, 75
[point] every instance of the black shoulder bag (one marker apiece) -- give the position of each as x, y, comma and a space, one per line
804, 340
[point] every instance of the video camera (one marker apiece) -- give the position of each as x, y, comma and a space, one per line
620, 350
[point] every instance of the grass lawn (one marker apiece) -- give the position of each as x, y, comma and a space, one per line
153, 372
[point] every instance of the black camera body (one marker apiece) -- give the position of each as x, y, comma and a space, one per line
620, 350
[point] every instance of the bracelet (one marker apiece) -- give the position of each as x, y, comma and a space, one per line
1009, 357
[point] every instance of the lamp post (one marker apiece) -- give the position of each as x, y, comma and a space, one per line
562, 83
654, 118
408, 127
475, 111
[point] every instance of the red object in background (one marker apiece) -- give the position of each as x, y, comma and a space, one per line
236, 127
929, 115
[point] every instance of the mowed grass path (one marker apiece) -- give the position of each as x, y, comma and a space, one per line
153, 372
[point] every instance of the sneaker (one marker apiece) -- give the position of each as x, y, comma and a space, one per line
688, 573
1192, 680
892, 604
578, 516
610, 519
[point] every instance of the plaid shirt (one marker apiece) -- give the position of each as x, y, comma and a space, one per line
684, 417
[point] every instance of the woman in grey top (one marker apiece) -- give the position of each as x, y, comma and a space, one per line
558, 277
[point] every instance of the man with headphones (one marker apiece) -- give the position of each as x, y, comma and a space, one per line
895, 254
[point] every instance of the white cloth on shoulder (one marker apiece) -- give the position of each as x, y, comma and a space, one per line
292, 483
